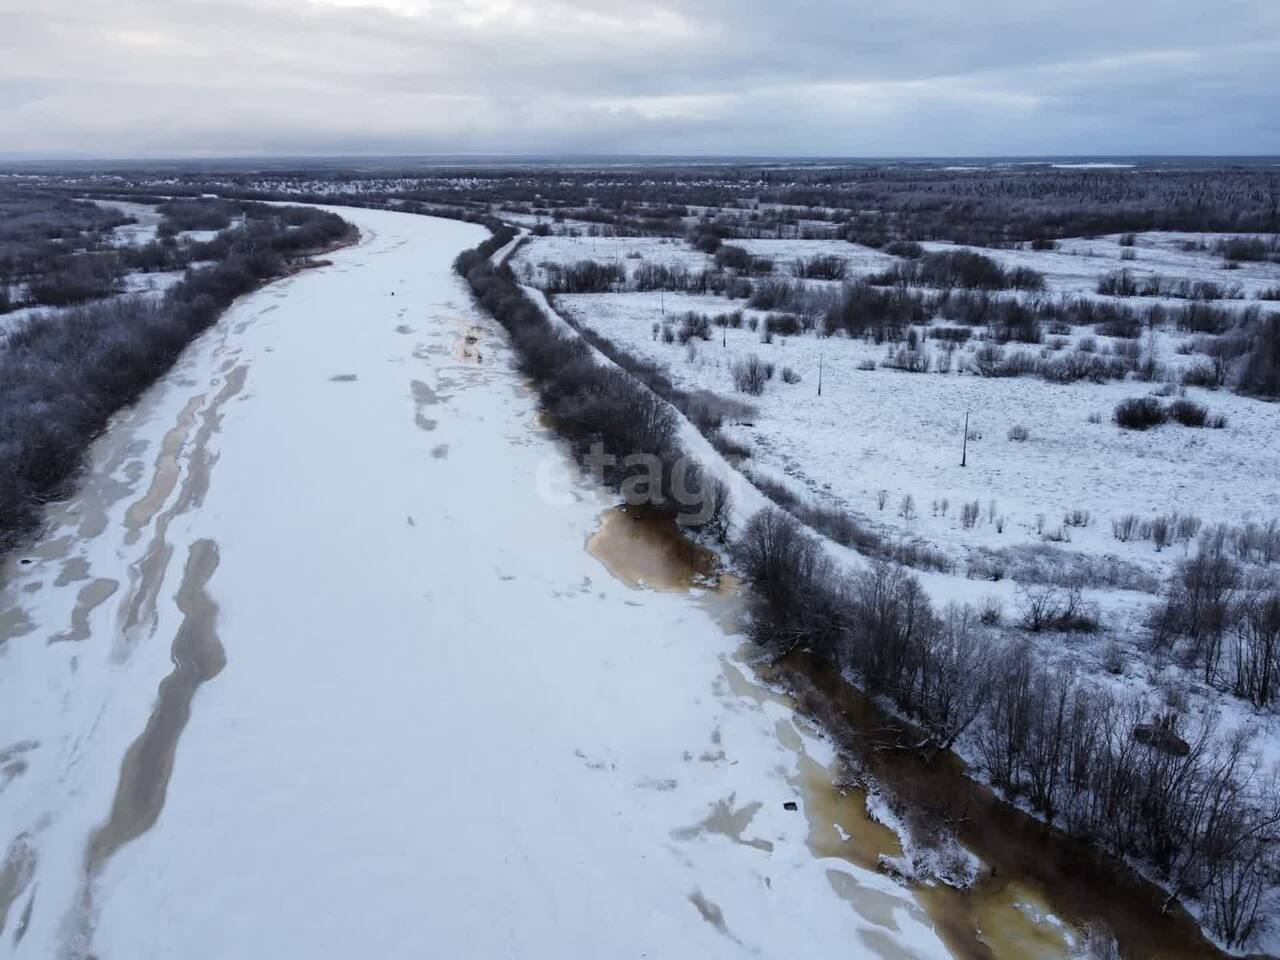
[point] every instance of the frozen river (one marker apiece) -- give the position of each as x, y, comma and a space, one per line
316, 664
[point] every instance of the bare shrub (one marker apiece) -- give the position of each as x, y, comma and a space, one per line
771, 294
1261, 374
1126, 527
705, 503
1077, 518
1140, 413
1188, 413
1055, 608
908, 360
823, 267
789, 571
750, 374
693, 325
1018, 433
1205, 373
907, 249
1160, 532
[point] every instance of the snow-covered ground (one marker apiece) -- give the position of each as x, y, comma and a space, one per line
315, 664
136, 284
626, 252
859, 260
882, 429
1078, 264
1073, 269
134, 234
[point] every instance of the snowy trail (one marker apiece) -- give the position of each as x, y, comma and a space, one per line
316, 664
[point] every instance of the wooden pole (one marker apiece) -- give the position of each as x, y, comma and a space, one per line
819, 374
964, 450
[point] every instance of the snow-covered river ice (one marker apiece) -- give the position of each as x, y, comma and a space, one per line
316, 663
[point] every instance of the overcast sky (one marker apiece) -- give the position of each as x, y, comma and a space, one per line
821, 78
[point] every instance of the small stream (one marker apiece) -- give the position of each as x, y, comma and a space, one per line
1040, 893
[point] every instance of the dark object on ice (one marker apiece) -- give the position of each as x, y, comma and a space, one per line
790, 805
1161, 735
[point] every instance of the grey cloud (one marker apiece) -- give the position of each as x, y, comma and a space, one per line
917, 77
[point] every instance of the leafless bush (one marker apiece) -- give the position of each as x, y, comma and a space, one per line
693, 325
1043, 607
1199, 605
1205, 373
1125, 528
1261, 374
824, 267
1188, 413
1077, 518
1140, 413
790, 574
750, 374
908, 360
707, 506
1256, 652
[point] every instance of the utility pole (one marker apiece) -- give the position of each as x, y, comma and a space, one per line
964, 450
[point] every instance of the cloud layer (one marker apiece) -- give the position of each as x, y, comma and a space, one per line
824, 77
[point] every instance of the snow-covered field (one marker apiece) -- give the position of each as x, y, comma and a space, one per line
314, 665
882, 429
1074, 269
1078, 264
135, 234
624, 251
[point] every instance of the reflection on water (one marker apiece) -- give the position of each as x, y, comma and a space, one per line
642, 549
1038, 891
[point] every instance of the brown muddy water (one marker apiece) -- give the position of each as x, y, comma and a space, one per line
1039, 893
643, 549
197, 657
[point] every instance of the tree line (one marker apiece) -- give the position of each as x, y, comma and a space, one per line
1201, 813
